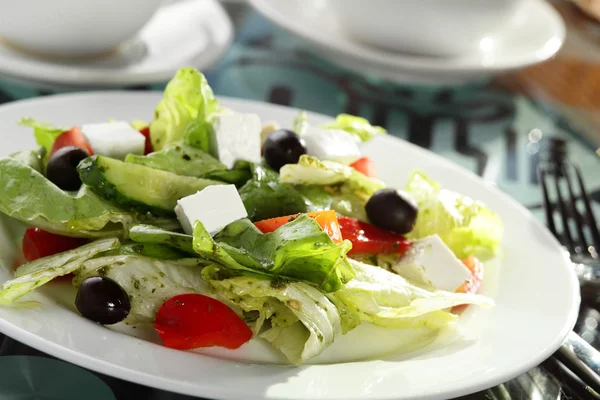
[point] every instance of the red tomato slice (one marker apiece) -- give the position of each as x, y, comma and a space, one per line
72, 137
189, 321
366, 166
327, 220
148, 147
368, 239
38, 243
472, 284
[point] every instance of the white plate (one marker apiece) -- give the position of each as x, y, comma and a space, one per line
535, 37
535, 290
183, 33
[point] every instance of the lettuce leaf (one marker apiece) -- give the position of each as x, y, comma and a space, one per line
148, 234
467, 226
148, 282
303, 322
45, 133
361, 128
179, 159
31, 198
388, 300
299, 250
312, 171
31, 158
187, 97
264, 196
34, 274
348, 189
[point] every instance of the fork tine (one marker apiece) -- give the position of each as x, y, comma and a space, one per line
564, 213
576, 215
546, 202
590, 218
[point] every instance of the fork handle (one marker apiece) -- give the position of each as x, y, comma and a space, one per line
582, 358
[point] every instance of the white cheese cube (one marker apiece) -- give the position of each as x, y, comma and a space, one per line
236, 137
215, 206
114, 139
431, 262
331, 144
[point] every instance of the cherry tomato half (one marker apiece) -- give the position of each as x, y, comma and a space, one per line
189, 321
148, 146
72, 137
368, 239
38, 243
366, 166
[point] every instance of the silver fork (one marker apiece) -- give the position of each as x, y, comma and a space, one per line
581, 238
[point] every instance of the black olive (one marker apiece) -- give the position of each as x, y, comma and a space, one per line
62, 167
102, 300
283, 147
392, 210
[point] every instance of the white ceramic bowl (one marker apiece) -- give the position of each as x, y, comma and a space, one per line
428, 27
72, 28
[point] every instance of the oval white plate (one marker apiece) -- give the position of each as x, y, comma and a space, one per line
536, 293
535, 37
182, 33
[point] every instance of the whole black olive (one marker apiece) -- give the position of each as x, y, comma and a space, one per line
283, 147
392, 210
102, 300
62, 167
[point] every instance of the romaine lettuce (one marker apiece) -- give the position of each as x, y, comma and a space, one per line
467, 226
36, 273
187, 98
299, 250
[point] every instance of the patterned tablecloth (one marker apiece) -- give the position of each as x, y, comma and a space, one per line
497, 128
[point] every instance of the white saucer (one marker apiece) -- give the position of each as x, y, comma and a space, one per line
535, 37
183, 33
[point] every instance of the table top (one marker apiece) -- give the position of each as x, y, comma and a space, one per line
496, 128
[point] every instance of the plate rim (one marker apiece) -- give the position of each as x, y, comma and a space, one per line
390, 61
47, 73
180, 386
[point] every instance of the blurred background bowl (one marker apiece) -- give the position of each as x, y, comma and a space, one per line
73, 28
426, 27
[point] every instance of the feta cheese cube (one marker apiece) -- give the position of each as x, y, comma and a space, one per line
331, 144
114, 139
431, 262
215, 206
236, 137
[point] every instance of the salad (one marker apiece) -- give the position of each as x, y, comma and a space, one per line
216, 228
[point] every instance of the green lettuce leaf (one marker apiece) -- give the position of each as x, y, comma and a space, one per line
264, 196
158, 251
361, 128
467, 226
348, 189
34, 274
148, 234
303, 322
187, 98
388, 300
299, 250
301, 123
45, 133
31, 198
179, 159
148, 282
31, 158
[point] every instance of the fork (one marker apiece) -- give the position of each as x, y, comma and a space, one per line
581, 238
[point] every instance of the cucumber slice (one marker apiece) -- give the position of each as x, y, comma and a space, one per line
138, 187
